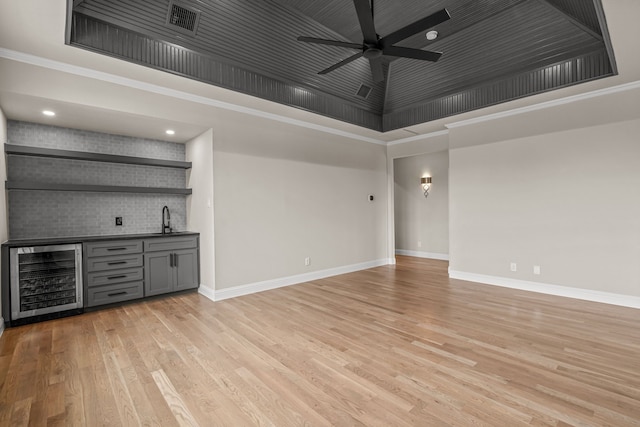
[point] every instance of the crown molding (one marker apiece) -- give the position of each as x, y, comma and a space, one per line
516, 111
161, 90
173, 93
419, 137
544, 105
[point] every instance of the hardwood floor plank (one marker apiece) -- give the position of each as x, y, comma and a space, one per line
399, 345
55, 400
124, 402
74, 393
182, 414
20, 413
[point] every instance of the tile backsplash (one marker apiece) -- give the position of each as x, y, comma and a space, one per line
63, 171
39, 214
37, 135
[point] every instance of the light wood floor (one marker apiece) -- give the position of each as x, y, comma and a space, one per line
391, 346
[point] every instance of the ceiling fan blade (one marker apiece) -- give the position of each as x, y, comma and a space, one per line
416, 27
376, 69
341, 63
365, 16
329, 42
405, 52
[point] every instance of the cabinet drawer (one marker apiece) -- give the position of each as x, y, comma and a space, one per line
114, 293
114, 262
114, 276
170, 243
118, 247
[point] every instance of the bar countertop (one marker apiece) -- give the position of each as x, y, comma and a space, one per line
12, 243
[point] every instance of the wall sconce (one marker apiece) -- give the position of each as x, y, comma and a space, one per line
426, 185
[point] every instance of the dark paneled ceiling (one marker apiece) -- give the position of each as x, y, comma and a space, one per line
493, 51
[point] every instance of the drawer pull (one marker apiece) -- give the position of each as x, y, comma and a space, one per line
116, 249
117, 277
116, 262
114, 294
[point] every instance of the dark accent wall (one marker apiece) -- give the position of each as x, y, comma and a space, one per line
36, 214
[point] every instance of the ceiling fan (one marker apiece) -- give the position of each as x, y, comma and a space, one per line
374, 47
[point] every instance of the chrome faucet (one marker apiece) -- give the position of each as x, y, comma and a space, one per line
166, 227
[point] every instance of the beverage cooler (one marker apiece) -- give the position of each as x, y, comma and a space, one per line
45, 282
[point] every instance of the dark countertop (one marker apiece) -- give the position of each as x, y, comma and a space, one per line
82, 239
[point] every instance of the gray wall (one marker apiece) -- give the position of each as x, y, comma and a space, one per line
554, 187
284, 193
566, 201
35, 214
200, 203
422, 224
427, 144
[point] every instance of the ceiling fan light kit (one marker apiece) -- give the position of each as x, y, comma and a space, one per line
372, 53
374, 47
431, 35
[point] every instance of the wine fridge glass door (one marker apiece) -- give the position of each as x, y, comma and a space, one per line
45, 279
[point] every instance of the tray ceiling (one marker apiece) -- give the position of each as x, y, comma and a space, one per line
494, 51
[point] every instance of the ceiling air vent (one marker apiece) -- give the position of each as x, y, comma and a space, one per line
183, 18
363, 91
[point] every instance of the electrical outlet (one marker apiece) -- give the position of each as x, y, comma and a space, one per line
536, 269
514, 266
307, 261
419, 244
118, 220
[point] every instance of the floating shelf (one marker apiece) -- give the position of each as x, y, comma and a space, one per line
43, 186
22, 150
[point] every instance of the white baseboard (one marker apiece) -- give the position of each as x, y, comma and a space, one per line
544, 288
236, 291
419, 254
1, 326
207, 292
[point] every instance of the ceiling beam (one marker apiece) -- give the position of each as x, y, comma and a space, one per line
573, 20
387, 84
69, 17
597, 4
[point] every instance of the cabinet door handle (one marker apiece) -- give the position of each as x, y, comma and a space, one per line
170, 260
117, 277
115, 294
116, 262
175, 260
116, 249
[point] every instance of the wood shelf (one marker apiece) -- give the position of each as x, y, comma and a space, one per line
43, 186
22, 150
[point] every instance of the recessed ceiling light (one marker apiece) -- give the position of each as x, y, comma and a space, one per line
432, 35
48, 113
170, 132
